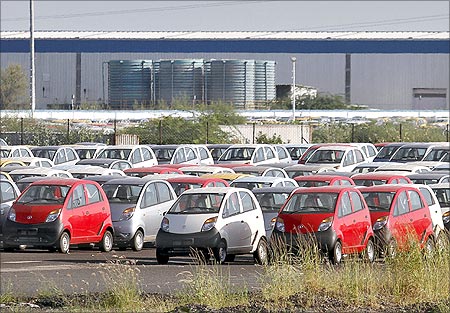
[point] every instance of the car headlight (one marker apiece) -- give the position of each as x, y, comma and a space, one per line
127, 214
165, 224
12, 215
380, 222
53, 216
325, 224
446, 217
279, 225
209, 224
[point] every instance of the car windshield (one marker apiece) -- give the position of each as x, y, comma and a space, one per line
326, 156
44, 194
122, 193
121, 154
312, 183
250, 185
322, 202
164, 154
181, 187
369, 182
270, 201
237, 154
409, 154
197, 203
379, 201
44, 153
386, 152
436, 154
443, 196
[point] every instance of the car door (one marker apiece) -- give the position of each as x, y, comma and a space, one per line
136, 158
232, 221
78, 217
149, 212
346, 225
96, 208
419, 214
251, 216
361, 218
400, 225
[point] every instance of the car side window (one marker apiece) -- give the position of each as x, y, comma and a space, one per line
163, 192
60, 157
345, 206
70, 155
416, 201
146, 154
231, 206
190, 154
220, 184
149, 196
247, 202
345, 182
269, 153
259, 156
357, 202
136, 156
401, 205
348, 159
336, 183
358, 156
203, 154
93, 194
7, 192
77, 199
427, 195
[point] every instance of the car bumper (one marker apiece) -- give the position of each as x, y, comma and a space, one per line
325, 240
123, 231
35, 235
182, 244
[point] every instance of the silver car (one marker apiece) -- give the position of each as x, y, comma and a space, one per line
137, 208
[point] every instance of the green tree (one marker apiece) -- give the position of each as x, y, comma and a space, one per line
13, 87
263, 138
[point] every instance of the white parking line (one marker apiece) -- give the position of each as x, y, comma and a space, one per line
21, 262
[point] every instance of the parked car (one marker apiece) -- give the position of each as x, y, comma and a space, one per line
34, 161
228, 177
152, 170
337, 217
380, 178
15, 151
182, 183
430, 178
90, 151
115, 164
304, 170
271, 199
387, 151
369, 149
217, 150
137, 155
8, 194
283, 154
252, 182
366, 167
84, 171
410, 168
442, 192
137, 207
9, 162
57, 213
199, 170
445, 166
227, 221
204, 154
297, 150
305, 156
176, 154
261, 170
23, 183
38, 171
57, 154
412, 152
399, 213
343, 158
323, 180
254, 154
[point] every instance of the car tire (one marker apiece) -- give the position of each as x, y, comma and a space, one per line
9, 248
220, 253
161, 256
64, 242
369, 251
261, 254
137, 243
336, 253
107, 242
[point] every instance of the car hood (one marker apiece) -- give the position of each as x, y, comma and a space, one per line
34, 214
187, 223
303, 223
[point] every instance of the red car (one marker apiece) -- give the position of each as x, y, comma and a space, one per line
144, 171
57, 213
379, 178
398, 212
323, 180
336, 216
183, 183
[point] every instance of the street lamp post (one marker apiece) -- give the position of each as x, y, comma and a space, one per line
293, 59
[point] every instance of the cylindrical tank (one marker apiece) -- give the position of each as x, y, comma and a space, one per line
231, 81
265, 89
129, 83
179, 80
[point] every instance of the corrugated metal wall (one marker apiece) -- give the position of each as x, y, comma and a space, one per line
382, 81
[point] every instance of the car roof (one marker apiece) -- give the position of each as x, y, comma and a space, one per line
280, 189
261, 179
321, 178
58, 181
215, 190
378, 175
333, 189
428, 175
386, 188
127, 180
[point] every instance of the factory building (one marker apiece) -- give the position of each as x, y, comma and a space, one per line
380, 70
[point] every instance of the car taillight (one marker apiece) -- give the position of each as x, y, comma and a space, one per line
165, 224
127, 214
53, 216
209, 224
279, 225
325, 224
380, 222
12, 215
446, 217
272, 222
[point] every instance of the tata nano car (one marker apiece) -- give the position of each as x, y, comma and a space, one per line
225, 220
336, 217
399, 214
58, 212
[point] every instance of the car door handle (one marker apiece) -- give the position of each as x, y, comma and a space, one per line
86, 213
103, 209
354, 221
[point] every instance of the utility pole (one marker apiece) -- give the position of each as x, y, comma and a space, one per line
293, 59
32, 70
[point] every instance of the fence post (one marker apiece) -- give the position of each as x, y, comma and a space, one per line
401, 136
21, 130
207, 132
68, 131
254, 133
353, 133
160, 132
115, 131
448, 135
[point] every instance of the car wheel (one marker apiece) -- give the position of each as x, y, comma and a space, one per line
391, 249
64, 242
107, 242
336, 253
261, 255
220, 253
8, 249
369, 252
137, 242
161, 257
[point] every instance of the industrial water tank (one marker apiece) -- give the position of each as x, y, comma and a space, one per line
265, 89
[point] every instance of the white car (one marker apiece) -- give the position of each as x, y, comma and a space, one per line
225, 220
205, 155
35, 161
199, 170
15, 151
38, 171
407, 168
58, 154
8, 194
254, 154
252, 182
176, 154
342, 158
137, 155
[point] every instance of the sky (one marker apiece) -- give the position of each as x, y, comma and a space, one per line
244, 15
